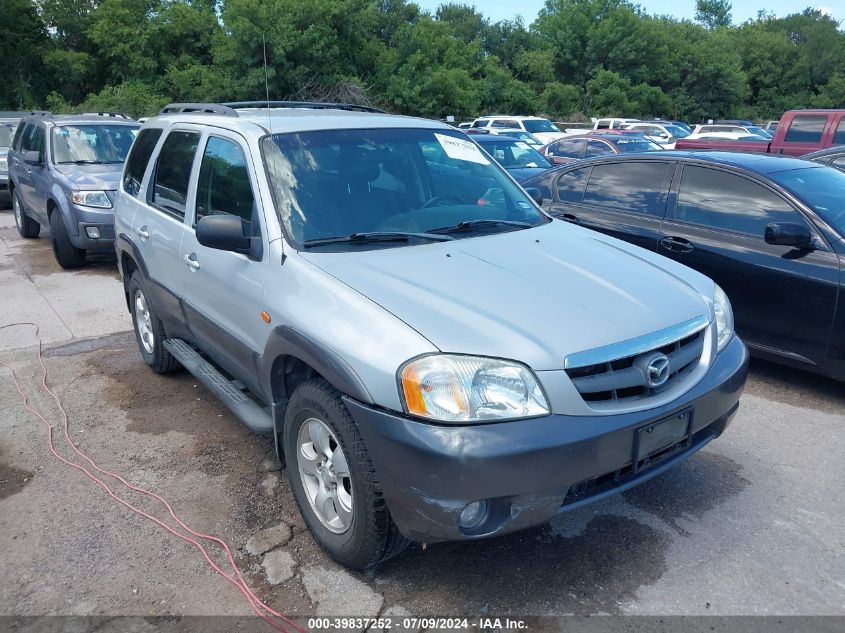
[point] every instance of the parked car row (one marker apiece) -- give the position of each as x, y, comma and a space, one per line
367, 288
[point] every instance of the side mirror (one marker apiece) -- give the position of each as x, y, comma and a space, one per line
223, 232
789, 234
32, 157
535, 194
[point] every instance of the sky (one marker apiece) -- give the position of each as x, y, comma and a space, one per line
742, 9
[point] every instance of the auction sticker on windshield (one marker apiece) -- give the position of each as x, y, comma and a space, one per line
460, 149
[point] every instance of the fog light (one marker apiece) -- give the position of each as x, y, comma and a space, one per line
473, 514
93, 232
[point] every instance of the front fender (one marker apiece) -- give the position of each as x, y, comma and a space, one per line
287, 341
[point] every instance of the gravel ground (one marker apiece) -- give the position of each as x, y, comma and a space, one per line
751, 525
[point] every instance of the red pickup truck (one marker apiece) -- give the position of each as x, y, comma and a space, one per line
799, 132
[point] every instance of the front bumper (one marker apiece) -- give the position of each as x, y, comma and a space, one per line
89, 217
530, 470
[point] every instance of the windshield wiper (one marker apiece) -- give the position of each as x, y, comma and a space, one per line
471, 224
377, 236
81, 162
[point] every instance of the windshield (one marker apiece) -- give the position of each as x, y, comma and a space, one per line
753, 129
539, 125
636, 144
344, 182
95, 143
823, 188
677, 131
515, 154
7, 133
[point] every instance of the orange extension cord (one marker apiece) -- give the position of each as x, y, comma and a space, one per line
273, 618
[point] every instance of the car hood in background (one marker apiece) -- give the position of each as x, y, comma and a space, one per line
523, 173
93, 177
533, 295
548, 137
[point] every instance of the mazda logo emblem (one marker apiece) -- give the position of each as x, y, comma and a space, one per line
657, 371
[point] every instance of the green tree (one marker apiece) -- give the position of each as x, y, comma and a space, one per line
23, 41
713, 13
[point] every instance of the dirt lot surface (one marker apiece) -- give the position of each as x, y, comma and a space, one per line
751, 525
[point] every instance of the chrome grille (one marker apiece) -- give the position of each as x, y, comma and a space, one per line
630, 377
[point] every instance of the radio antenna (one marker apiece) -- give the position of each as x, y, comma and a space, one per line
266, 84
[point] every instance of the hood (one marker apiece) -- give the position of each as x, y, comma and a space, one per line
548, 137
93, 177
534, 295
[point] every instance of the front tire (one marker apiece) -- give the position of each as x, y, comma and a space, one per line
149, 331
323, 448
27, 227
68, 256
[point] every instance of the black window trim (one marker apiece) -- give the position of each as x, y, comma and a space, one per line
671, 167
741, 173
177, 127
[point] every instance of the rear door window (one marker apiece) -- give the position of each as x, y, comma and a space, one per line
22, 131
139, 156
806, 128
169, 190
725, 201
631, 186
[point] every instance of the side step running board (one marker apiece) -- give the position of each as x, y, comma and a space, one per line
230, 392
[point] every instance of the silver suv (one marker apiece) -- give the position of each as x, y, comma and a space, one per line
63, 174
436, 357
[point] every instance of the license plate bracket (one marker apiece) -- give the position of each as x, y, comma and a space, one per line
651, 439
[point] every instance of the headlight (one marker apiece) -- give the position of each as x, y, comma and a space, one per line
91, 199
452, 388
724, 318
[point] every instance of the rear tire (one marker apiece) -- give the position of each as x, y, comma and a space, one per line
66, 253
27, 227
149, 331
369, 536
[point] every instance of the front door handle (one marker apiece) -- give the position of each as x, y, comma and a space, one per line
143, 233
677, 244
191, 261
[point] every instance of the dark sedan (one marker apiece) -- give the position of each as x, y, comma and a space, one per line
769, 230
573, 148
517, 157
832, 156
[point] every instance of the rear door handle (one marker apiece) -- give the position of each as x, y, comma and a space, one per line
143, 233
677, 244
191, 261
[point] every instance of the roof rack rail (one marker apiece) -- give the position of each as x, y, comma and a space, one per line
118, 115
198, 108
316, 105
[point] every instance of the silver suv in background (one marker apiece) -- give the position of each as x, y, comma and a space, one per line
436, 357
63, 174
